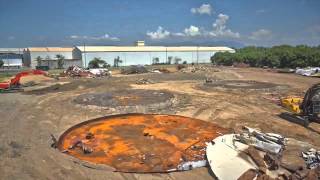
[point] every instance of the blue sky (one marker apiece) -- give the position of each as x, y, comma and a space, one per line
25, 23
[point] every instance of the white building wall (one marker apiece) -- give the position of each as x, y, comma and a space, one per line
45, 55
145, 58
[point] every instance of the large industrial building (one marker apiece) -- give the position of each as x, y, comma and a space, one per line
129, 55
141, 54
48, 56
12, 57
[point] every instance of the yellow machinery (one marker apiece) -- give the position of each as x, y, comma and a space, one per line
292, 104
304, 109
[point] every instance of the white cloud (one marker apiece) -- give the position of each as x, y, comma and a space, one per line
178, 34
192, 31
159, 34
74, 37
104, 37
220, 28
261, 34
203, 9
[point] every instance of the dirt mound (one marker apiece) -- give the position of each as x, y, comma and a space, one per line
37, 79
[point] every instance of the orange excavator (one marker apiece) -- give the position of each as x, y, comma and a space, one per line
14, 84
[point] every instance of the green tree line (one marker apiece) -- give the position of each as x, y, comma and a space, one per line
283, 56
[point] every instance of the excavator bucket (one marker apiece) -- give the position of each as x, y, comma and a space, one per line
292, 104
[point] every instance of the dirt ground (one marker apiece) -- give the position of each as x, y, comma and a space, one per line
28, 118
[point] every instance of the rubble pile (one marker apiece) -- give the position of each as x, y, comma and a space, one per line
144, 81
252, 154
160, 70
312, 158
134, 69
100, 72
75, 71
311, 71
195, 69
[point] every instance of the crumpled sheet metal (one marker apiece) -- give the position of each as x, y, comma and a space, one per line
141, 142
311, 158
269, 142
227, 159
228, 155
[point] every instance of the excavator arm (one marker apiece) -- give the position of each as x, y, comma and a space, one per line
15, 81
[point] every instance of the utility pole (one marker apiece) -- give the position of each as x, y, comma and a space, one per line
197, 54
8, 60
85, 55
166, 55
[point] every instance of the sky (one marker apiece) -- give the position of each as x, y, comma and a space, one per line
30, 23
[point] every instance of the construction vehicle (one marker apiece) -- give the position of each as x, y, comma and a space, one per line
13, 85
303, 110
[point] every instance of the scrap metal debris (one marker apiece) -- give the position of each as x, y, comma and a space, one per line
311, 71
100, 72
311, 158
144, 81
246, 154
269, 142
227, 159
189, 165
239, 159
76, 71
196, 69
160, 70
54, 143
272, 161
79, 144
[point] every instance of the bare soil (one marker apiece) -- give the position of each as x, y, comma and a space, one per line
28, 118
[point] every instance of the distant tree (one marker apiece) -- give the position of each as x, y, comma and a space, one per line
155, 60
39, 60
177, 60
1, 63
106, 65
60, 59
97, 63
283, 56
117, 61
184, 62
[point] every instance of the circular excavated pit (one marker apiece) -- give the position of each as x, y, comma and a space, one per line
238, 84
140, 99
140, 142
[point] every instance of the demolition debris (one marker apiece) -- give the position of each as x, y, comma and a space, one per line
75, 71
